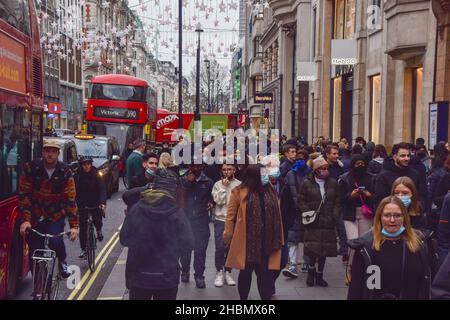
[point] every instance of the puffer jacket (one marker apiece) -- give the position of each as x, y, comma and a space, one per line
155, 231
320, 236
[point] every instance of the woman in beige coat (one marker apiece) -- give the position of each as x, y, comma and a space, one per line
254, 232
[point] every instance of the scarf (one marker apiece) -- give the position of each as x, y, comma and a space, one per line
264, 233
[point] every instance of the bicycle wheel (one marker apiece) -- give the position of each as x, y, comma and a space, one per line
90, 247
54, 288
40, 280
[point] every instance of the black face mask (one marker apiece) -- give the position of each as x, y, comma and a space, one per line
359, 171
421, 154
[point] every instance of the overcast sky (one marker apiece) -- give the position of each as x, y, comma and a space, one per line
218, 18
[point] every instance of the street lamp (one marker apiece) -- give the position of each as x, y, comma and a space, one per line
208, 66
180, 64
197, 116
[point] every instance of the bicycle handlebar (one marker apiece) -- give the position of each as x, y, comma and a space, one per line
48, 235
88, 208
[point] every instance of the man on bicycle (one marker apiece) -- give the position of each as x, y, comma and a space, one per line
46, 196
91, 193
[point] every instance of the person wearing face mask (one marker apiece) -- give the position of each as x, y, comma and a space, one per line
150, 165
290, 213
399, 251
254, 232
319, 192
198, 199
355, 189
395, 167
405, 189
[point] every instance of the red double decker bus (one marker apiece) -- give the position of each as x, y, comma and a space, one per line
120, 105
21, 112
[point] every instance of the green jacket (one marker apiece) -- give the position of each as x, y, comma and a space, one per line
135, 170
320, 236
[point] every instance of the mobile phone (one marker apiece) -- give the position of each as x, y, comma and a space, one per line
362, 188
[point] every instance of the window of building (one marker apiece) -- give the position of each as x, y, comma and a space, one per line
344, 19
374, 112
314, 26
257, 84
257, 49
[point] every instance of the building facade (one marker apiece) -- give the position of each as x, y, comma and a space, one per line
381, 92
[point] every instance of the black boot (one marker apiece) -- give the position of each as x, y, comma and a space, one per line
319, 280
311, 276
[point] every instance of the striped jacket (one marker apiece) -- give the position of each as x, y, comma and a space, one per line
52, 198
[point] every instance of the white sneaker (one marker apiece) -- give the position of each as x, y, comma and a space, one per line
229, 279
219, 279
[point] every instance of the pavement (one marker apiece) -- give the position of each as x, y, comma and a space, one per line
286, 289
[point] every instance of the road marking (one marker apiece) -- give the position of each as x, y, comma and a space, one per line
110, 298
97, 271
88, 273
119, 262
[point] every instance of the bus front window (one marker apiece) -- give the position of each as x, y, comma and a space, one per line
118, 92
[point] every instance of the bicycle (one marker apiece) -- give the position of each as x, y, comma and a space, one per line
91, 240
42, 272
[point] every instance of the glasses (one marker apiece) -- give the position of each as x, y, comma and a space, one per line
396, 216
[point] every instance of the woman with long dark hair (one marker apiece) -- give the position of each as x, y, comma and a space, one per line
254, 232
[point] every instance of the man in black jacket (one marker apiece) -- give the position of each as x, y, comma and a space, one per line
395, 167
197, 188
91, 193
156, 232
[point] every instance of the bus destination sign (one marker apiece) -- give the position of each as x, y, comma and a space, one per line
116, 113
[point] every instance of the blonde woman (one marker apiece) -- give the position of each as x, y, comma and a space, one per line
165, 161
391, 261
405, 189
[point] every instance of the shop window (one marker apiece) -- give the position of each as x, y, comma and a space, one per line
374, 113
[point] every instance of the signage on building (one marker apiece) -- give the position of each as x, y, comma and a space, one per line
344, 52
438, 122
116, 113
63, 114
12, 64
306, 71
262, 97
54, 107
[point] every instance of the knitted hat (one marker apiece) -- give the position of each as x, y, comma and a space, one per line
318, 163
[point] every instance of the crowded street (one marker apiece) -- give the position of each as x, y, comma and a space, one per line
215, 150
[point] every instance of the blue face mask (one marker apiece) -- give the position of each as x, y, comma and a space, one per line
265, 179
393, 235
406, 201
150, 172
275, 173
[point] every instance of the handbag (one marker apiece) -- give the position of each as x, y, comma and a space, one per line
365, 209
309, 217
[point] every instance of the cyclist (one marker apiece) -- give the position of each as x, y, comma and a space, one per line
91, 193
46, 196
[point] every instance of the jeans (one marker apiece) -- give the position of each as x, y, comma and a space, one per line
357, 228
145, 294
221, 252
264, 280
57, 244
201, 232
96, 219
